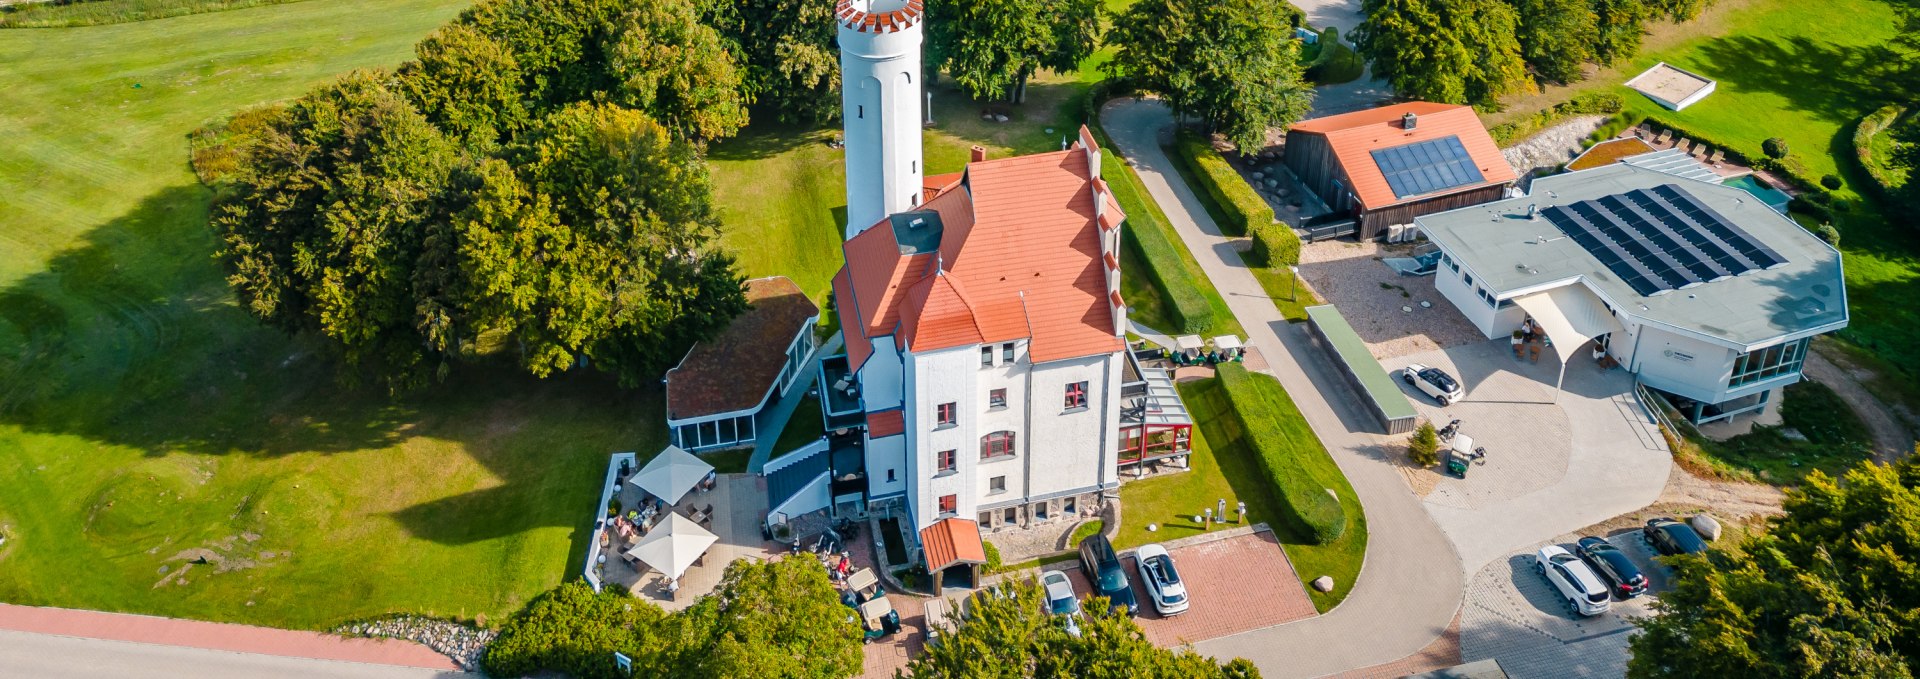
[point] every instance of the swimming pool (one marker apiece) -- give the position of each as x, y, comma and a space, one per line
1772, 197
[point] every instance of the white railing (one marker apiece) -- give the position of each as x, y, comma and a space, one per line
600, 515
794, 456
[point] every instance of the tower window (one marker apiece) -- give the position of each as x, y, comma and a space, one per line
859, 111
916, 166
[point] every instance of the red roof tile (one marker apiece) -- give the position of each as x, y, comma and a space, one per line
935, 184
950, 541
733, 371
1354, 136
886, 423
851, 328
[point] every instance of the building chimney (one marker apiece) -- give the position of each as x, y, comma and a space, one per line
1408, 121
979, 153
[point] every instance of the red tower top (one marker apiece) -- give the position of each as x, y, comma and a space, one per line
860, 15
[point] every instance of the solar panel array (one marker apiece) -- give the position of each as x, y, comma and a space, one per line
1427, 166
1661, 239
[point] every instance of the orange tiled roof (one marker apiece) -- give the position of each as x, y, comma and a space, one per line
935, 184
733, 371
1020, 252
1354, 136
886, 423
950, 541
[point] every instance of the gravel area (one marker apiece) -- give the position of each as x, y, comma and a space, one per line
1383, 306
1548, 149
463, 644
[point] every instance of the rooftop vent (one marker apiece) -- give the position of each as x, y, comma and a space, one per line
1533, 212
1408, 121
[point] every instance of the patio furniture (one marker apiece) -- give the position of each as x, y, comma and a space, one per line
1701, 151
1718, 156
1684, 144
1664, 136
674, 547
672, 473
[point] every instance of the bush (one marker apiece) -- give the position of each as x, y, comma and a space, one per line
1275, 245
1830, 182
1307, 499
1239, 205
1873, 125
1337, 62
1591, 103
575, 630
1424, 447
994, 564
1828, 233
1774, 147
1165, 266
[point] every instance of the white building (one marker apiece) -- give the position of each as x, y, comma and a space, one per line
1701, 290
986, 382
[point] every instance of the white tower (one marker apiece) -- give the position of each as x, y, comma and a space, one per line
880, 106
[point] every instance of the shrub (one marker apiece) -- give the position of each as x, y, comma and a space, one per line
1173, 271
1884, 177
1424, 447
1306, 499
1828, 233
575, 630
1591, 103
1812, 203
1239, 204
1774, 147
1830, 182
1337, 62
994, 563
1275, 245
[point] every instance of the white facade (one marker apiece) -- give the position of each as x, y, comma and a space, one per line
880, 99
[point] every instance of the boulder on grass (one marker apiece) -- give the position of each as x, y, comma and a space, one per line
1706, 526
1323, 583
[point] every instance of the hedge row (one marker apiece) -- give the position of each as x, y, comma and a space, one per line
1257, 401
1592, 103
1873, 124
1240, 209
1184, 286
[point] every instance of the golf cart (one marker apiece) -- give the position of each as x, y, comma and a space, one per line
878, 618
1461, 452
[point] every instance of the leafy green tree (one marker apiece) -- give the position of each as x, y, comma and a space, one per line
1831, 589
676, 69
1556, 37
992, 47
792, 69
592, 236
768, 619
1452, 51
574, 630
1679, 10
466, 83
1009, 635
559, 46
1232, 63
1424, 447
1619, 25
336, 198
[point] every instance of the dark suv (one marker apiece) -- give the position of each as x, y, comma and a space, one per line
1670, 537
1625, 579
1102, 567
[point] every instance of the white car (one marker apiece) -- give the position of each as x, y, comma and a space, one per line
1061, 599
1433, 382
1161, 579
1576, 582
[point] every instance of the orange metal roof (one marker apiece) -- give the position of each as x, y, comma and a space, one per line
1020, 255
886, 423
951, 541
1354, 136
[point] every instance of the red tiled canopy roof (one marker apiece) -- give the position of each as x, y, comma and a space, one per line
734, 370
951, 541
886, 423
1354, 137
1019, 258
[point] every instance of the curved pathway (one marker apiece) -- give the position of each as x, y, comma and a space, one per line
1410, 587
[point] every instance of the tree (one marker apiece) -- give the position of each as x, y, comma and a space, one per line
785, 47
1233, 63
1619, 25
336, 198
1453, 51
575, 630
768, 619
1679, 10
467, 84
676, 69
1424, 447
1556, 37
1009, 635
991, 47
1831, 589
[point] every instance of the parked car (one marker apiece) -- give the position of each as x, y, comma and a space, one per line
1573, 580
1613, 564
1061, 600
1670, 537
1162, 580
1109, 578
1433, 382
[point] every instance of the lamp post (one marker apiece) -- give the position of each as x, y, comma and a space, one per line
929, 107
1293, 288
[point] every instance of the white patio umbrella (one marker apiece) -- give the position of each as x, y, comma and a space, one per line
673, 545
671, 474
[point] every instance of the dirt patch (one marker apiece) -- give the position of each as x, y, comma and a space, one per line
218, 555
1740, 507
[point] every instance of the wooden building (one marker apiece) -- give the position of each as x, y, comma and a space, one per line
1387, 165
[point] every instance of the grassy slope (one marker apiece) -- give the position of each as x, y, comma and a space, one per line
51, 15
1803, 72
1223, 467
142, 414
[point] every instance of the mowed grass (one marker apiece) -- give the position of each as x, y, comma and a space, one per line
1225, 468
145, 418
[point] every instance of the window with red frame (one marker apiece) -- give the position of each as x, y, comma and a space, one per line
946, 460
1076, 395
997, 398
949, 504
996, 444
946, 412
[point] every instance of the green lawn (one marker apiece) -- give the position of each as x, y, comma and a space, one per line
803, 428
1224, 468
1288, 295
1835, 440
143, 416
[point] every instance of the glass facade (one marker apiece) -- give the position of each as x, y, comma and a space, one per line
1765, 364
713, 433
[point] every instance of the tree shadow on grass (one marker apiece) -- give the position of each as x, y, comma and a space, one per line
766, 141
133, 339
1834, 82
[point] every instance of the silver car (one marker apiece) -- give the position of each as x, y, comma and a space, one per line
1062, 600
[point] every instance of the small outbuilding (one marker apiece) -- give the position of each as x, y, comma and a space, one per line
1387, 165
716, 393
1671, 86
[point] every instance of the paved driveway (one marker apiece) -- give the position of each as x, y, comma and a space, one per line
1234, 585
1513, 615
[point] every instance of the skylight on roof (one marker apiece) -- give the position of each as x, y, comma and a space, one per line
1427, 166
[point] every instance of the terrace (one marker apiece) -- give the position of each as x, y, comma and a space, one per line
840, 394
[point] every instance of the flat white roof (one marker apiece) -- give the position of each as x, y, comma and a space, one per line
1669, 83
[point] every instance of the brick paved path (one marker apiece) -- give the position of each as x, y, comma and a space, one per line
218, 636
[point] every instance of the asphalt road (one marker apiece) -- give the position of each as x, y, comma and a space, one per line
45, 656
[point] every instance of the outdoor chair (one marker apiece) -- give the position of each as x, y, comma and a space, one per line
1664, 136
1684, 144
1701, 152
1718, 156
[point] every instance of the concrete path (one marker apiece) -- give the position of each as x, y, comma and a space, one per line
774, 419
75, 643
1410, 587
1150, 335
